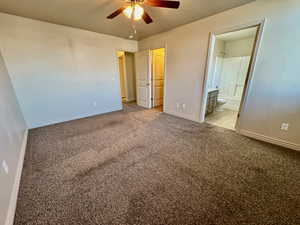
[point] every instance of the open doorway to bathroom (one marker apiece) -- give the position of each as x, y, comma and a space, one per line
228, 74
127, 76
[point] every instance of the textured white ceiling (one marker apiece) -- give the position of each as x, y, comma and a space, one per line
91, 14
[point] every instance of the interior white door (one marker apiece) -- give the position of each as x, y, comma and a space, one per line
143, 79
158, 77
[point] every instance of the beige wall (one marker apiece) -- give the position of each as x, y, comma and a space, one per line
12, 130
61, 73
274, 90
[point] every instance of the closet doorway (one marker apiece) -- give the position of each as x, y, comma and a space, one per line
127, 76
158, 77
228, 75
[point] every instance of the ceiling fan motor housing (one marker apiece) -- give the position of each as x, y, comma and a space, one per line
143, 14
135, 1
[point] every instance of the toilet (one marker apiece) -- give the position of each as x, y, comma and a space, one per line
220, 103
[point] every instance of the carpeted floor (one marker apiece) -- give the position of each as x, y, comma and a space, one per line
143, 167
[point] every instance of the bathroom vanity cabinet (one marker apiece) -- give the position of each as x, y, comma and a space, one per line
212, 100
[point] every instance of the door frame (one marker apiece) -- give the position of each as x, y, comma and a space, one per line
119, 72
151, 75
248, 82
125, 76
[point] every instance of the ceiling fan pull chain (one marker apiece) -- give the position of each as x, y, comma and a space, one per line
133, 3
133, 29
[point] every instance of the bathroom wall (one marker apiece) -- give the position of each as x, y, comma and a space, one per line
214, 76
239, 47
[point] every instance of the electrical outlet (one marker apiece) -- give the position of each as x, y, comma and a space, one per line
5, 166
284, 126
94, 104
183, 106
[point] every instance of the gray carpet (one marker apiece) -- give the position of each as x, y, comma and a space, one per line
145, 167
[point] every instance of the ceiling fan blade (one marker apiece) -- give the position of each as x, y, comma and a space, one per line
116, 13
164, 4
147, 18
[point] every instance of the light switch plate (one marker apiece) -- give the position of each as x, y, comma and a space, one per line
284, 126
5, 166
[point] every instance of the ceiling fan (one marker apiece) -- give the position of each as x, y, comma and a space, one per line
134, 10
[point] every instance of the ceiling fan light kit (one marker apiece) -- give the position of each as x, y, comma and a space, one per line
135, 10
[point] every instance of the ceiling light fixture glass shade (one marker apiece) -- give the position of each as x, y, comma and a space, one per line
138, 12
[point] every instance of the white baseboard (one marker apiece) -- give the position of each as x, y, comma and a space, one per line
14, 195
182, 115
272, 140
130, 100
82, 116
